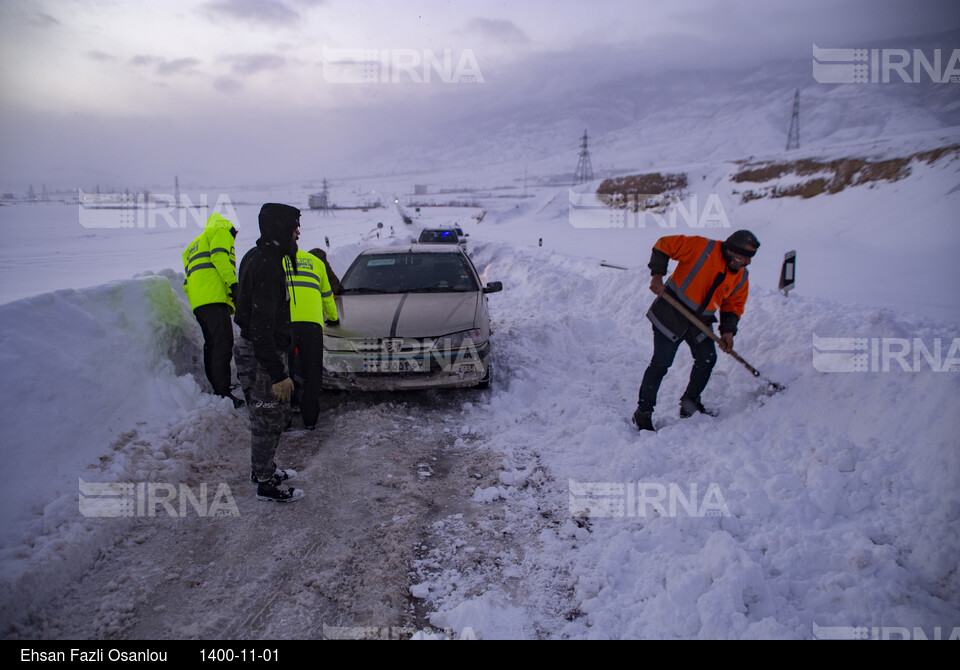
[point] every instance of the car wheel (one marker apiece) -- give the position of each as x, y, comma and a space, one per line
487, 379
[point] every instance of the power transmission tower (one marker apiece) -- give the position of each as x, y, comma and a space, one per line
793, 136
325, 198
584, 170
321, 200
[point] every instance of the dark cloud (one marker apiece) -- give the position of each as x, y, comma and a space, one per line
501, 30
227, 84
100, 56
251, 63
141, 60
269, 12
167, 67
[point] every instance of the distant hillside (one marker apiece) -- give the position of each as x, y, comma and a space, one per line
660, 119
817, 177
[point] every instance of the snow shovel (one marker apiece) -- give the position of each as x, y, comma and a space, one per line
774, 386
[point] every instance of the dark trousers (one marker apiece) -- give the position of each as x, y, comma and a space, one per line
307, 364
664, 351
217, 329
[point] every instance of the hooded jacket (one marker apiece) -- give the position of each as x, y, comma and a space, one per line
209, 264
263, 311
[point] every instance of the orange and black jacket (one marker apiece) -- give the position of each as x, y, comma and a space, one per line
701, 282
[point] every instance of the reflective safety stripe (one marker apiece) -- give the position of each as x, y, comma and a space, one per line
201, 266
303, 273
680, 294
326, 294
742, 282
688, 303
202, 254
219, 250
696, 267
303, 284
659, 326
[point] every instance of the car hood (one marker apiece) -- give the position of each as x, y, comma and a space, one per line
405, 314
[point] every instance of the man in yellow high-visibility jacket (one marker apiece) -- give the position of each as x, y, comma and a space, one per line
311, 301
210, 281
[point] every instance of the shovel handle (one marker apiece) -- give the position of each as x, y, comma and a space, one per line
706, 329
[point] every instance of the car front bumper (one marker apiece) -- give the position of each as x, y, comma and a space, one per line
390, 372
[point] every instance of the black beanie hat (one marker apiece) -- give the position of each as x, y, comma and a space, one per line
273, 212
740, 240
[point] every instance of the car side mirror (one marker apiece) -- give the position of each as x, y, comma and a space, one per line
493, 287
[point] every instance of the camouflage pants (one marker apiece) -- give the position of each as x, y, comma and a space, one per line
268, 417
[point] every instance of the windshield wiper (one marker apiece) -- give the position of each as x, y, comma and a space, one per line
438, 289
363, 291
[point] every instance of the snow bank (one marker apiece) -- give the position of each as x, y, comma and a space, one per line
100, 386
840, 495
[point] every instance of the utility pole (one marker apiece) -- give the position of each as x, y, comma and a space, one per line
584, 170
176, 192
793, 136
325, 198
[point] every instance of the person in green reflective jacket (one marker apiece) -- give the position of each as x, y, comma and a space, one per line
210, 282
312, 301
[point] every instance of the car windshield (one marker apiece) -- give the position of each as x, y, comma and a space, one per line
409, 273
438, 237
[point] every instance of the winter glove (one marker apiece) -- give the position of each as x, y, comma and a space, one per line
283, 390
726, 342
334, 323
233, 292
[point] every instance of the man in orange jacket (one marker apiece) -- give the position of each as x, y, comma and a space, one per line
711, 276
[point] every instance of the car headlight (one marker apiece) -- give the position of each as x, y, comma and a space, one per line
455, 341
331, 343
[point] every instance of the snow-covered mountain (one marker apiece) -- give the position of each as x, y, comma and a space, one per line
665, 117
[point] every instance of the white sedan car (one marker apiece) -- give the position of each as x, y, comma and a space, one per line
411, 317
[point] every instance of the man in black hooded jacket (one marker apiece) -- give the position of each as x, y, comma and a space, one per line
263, 315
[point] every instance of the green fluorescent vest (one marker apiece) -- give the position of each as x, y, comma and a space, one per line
209, 265
311, 296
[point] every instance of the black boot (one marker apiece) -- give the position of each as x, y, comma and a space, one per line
270, 491
690, 406
643, 420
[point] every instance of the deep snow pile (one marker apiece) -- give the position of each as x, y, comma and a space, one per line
101, 386
840, 495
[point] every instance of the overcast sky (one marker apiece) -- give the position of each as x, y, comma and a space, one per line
227, 91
